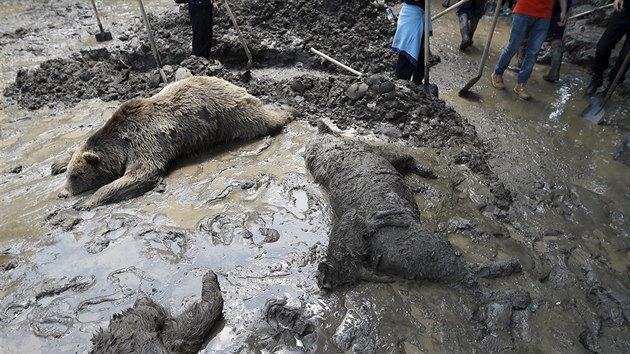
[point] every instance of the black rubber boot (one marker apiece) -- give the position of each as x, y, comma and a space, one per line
596, 82
544, 56
464, 29
473, 28
556, 61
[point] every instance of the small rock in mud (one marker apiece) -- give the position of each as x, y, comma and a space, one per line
356, 91
15, 169
270, 235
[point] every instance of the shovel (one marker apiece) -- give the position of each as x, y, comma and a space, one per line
448, 10
595, 110
589, 12
428, 88
102, 36
156, 55
486, 50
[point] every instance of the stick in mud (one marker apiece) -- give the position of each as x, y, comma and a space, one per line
315, 51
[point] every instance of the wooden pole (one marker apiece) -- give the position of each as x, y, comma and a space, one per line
313, 50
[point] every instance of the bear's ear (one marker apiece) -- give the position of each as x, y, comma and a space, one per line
91, 157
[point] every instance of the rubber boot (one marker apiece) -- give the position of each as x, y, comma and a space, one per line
556, 61
464, 29
446, 3
596, 82
473, 28
544, 56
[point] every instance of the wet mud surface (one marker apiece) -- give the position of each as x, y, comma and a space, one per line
253, 214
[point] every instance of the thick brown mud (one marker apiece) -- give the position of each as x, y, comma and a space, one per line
524, 181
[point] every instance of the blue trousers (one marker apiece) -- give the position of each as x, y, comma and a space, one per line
534, 29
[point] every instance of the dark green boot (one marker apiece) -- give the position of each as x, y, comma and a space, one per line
464, 29
556, 61
596, 82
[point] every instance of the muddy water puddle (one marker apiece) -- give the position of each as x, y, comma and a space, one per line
248, 211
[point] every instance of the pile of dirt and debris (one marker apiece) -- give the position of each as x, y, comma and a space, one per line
375, 102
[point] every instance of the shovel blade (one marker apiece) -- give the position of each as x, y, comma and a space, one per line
103, 36
470, 84
595, 111
430, 89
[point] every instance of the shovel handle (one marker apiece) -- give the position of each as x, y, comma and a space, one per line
617, 78
427, 20
152, 41
98, 19
240, 36
486, 49
590, 11
451, 8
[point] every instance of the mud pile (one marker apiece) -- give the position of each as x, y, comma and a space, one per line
375, 102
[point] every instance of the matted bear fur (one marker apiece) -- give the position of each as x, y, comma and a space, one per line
127, 157
148, 328
377, 232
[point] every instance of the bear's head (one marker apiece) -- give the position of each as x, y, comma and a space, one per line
88, 170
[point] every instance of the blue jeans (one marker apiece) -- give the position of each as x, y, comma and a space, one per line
534, 29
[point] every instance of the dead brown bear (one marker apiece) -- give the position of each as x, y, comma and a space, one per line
127, 156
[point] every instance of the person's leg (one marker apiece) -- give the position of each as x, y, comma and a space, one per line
464, 30
404, 67
607, 42
517, 35
535, 38
557, 49
200, 18
625, 50
418, 74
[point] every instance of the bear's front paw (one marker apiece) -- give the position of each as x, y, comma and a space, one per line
58, 167
83, 206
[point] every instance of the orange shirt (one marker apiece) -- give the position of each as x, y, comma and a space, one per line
534, 8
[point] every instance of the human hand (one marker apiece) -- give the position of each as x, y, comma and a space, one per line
215, 8
618, 5
563, 19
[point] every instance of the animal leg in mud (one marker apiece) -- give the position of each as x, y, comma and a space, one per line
347, 258
60, 165
189, 331
404, 163
130, 185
